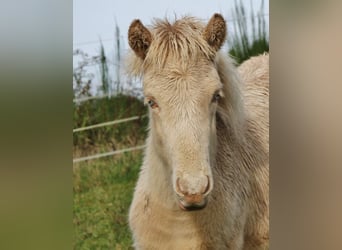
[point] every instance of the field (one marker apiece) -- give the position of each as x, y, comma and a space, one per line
102, 194
103, 187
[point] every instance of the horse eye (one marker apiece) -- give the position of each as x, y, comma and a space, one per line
216, 97
152, 104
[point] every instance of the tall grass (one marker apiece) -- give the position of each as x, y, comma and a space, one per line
117, 60
243, 42
104, 72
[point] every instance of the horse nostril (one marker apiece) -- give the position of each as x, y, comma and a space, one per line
178, 188
208, 186
192, 199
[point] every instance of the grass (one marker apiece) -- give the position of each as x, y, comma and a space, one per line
108, 138
103, 191
103, 188
243, 43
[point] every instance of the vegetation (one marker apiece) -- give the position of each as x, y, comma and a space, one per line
102, 194
103, 188
105, 77
108, 138
82, 79
242, 44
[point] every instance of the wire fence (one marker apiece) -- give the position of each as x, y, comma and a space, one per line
83, 99
120, 151
108, 123
110, 153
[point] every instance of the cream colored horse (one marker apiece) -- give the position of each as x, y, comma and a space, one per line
204, 179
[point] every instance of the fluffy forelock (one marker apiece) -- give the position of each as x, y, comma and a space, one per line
180, 42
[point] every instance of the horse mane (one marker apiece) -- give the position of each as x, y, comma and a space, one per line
182, 41
230, 111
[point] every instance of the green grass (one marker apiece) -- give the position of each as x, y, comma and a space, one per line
103, 192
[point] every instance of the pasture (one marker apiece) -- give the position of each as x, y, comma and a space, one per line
103, 188
102, 194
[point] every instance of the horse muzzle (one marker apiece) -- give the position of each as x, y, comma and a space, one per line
189, 201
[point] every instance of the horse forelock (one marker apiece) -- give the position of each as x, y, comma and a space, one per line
180, 42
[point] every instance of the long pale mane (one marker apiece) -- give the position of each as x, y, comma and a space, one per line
182, 42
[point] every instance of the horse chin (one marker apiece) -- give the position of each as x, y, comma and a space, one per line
192, 207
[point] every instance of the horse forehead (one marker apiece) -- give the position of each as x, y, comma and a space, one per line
178, 79
184, 89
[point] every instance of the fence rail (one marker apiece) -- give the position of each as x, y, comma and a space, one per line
83, 99
91, 157
108, 123
96, 156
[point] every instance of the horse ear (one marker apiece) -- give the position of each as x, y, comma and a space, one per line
215, 31
139, 38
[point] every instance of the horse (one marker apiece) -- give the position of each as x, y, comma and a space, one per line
204, 180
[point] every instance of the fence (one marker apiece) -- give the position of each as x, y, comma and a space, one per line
91, 157
110, 153
108, 123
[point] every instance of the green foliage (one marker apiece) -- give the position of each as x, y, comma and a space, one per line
112, 137
243, 46
103, 191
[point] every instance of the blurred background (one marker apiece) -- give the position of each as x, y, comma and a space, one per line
110, 120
